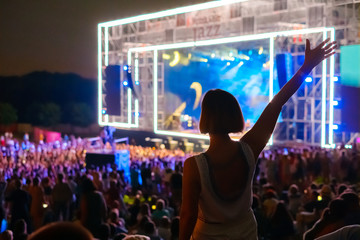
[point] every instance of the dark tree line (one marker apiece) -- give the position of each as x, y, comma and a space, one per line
47, 99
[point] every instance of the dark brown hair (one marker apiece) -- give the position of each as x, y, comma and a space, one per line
220, 113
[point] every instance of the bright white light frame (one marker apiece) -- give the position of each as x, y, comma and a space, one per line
143, 17
271, 36
198, 7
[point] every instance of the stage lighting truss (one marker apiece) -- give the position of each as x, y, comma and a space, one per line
326, 31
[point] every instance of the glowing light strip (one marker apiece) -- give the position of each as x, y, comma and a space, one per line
129, 106
170, 12
116, 124
106, 39
331, 92
136, 113
179, 134
323, 98
227, 40
99, 77
136, 69
155, 84
271, 78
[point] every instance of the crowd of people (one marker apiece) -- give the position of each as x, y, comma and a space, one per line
297, 192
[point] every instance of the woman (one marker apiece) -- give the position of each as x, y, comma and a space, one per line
217, 184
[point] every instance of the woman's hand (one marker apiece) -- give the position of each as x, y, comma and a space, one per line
315, 56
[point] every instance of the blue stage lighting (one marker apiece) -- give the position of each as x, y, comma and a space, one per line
335, 127
137, 82
103, 111
335, 103
335, 79
308, 79
125, 83
125, 67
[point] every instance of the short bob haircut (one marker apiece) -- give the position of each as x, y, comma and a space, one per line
220, 113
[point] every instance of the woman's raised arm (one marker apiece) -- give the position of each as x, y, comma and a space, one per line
258, 136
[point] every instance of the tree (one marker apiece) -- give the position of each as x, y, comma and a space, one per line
81, 114
50, 114
47, 114
33, 113
8, 114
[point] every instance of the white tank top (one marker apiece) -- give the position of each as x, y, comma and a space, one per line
218, 216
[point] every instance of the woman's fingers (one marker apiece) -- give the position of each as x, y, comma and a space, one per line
307, 47
323, 43
329, 50
330, 45
328, 55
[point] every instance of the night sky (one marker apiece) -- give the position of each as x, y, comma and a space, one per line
61, 35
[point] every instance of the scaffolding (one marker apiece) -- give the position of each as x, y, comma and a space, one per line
301, 119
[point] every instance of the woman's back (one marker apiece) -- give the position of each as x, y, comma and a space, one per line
226, 194
227, 167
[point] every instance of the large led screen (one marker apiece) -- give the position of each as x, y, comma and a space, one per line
240, 68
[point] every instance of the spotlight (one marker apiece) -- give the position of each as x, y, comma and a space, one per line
137, 82
213, 55
125, 67
335, 127
228, 63
261, 50
335, 103
125, 83
103, 111
166, 56
308, 79
335, 79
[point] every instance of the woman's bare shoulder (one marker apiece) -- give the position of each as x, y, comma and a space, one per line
191, 168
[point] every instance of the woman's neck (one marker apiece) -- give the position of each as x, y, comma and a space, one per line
219, 141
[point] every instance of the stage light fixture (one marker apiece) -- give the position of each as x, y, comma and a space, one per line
103, 111
228, 63
261, 50
335, 103
166, 56
137, 82
125, 83
308, 79
125, 67
335, 127
335, 79
213, 55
